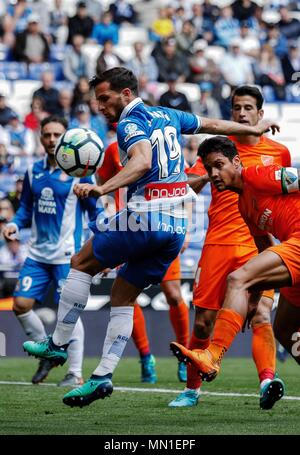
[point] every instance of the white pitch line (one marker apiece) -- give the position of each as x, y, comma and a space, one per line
154, 390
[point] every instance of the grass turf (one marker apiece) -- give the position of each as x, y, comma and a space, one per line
134, 413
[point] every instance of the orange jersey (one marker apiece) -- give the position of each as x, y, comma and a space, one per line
226, 226
197, 168
110, 167
264, 207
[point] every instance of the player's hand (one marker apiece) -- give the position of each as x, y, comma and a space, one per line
9, 232
84, 190
264, 126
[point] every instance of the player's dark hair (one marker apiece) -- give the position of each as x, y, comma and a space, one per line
248, 90
118, 77
219, 144
54, 119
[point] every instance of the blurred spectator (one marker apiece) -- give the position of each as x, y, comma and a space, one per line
186, 38
15, 20
31, 45
5, 111
81, 94
227, 27
207, 106
65, 104
236, 67
211, 12
106, 30
243, 9
289, 26
108, 58
250, 44
269, 72
204, 27
146, 90
172, 98
6, 210
141, 64
178, 19
13, 254
162, 27
58, 20
83, 119
15, 196
48, 93
41, 9
169, 60
94, 9
123, 11
291, 64
33, 118
6, 160
76, 64
203, 68
21, 138
98, 120
81, 23
190, 151
276, 40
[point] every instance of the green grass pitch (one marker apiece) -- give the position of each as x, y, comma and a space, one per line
38, 410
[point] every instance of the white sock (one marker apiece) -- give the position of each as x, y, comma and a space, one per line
118, 332
72, 302
32, 325
264, 382
75, 350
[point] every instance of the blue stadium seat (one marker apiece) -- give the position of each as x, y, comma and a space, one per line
35, 70
58, 52
13, 70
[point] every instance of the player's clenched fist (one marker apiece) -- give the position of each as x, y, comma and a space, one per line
84, 190
9, 232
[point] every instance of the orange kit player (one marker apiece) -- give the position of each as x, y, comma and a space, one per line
229, 245
178, 310
269, 203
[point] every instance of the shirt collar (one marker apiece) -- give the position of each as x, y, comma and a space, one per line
127, 109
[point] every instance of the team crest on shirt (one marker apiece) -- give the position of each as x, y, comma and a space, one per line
46, 202
267, 160
130, 128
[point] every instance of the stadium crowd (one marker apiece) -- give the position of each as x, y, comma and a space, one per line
190, 57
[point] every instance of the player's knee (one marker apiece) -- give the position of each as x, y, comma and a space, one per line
173, 297
235, 280
262, 316
203, 327
21, 306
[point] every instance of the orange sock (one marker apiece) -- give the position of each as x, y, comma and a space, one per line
139, 332
179, 317
227, 326
193, 379
264, 350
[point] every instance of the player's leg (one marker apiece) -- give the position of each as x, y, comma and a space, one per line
141, 341
32, 287
264, 353
266, 270
178, 310
73, 377
287, 321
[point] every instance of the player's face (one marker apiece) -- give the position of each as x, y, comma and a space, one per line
110, 103
221, 171
245, 111
49, 136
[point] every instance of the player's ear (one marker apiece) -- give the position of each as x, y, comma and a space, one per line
236, 161
260, 114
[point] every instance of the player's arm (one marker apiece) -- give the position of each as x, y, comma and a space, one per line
23, 216
263, 242
216, 126
140, 161
197, 183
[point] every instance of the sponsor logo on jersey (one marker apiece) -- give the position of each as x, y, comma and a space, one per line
46, 202
265, 220
267, 160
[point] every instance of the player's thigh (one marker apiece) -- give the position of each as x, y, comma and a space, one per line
174, 272
123, 293
85, 260
33, 281
172, 291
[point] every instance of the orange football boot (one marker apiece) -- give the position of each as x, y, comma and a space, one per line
207, 367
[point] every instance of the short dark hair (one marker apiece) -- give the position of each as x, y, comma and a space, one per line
118, 77
54, 119
248, 90
219, 144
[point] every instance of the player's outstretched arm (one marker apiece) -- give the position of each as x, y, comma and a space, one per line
139, 163
197, 183
214, 126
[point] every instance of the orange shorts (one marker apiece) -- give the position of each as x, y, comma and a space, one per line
173, 272
215, 264
289, 251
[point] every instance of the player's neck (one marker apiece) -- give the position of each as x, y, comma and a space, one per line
51, 161
237, 184
248, 140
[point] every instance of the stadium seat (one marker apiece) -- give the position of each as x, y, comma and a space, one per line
35, 70
13, 70
272, 111
215, 53
129, 35
58, 52
291, 112
125, 52
191, 91
22, 95
5, 88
